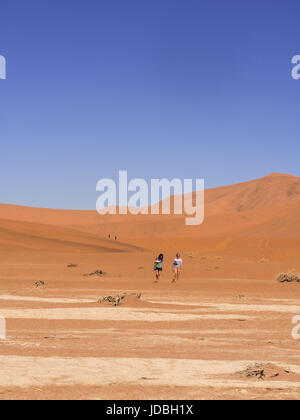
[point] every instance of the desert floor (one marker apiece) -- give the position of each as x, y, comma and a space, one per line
190, 340
223, 332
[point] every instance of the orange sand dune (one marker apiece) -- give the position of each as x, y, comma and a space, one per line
193, 339
35, 236
275, 190
263, 213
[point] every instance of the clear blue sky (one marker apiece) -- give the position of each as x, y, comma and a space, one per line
162, 88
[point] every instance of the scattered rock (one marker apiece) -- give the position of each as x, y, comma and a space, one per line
72, 265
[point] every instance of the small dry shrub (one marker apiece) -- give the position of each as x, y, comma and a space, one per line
99, 273
288, 278
39, 283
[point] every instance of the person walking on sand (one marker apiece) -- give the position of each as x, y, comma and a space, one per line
177, 268
158, 267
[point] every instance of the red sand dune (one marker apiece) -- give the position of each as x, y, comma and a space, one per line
194, 339
20, 235
259, 214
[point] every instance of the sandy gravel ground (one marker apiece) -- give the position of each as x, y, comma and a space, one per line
177, 341
223, 332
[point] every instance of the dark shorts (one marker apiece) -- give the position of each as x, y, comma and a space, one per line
158, 269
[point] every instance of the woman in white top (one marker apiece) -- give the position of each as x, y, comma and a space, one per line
177, 268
